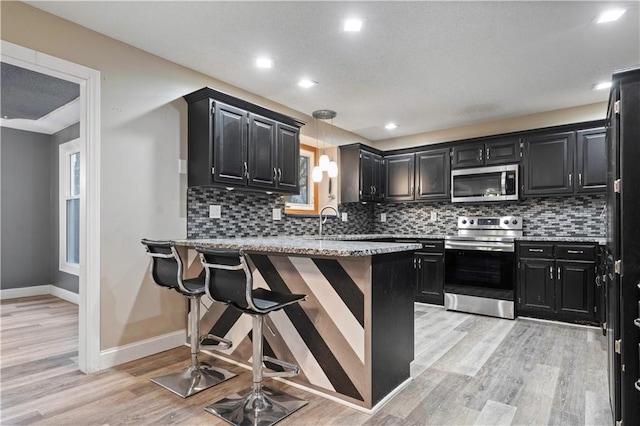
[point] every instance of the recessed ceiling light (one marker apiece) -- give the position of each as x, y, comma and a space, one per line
602, 85
264, 63
352, 25
390, 126
610, 15
307, 83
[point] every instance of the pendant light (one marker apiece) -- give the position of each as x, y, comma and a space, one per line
324, 163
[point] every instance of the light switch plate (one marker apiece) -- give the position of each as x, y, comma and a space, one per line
215, 211
383, 217
277, 214
344, 217
434, 216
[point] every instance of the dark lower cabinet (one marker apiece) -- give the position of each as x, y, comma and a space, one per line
557, 281
429, 265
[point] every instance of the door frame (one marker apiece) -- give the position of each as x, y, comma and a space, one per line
89, 281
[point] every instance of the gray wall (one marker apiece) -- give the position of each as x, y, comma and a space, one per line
26, 208
58, 278
29, 209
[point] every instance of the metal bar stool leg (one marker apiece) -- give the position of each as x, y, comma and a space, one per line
258, 405
199, 375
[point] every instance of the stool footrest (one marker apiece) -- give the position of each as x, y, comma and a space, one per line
293, 369
222, 343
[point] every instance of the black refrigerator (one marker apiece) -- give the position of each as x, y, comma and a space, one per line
622, 252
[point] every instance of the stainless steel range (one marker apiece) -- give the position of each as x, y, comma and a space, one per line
480, 266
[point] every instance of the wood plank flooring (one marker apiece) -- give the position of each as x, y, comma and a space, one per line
469, 370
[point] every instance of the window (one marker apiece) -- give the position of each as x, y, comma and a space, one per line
69, 201
307, 201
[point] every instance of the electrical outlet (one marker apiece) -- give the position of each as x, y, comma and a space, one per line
344, 217
215, 212
434, 216
383, 217
277, 214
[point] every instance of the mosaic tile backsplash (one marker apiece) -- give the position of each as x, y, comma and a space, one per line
246, 214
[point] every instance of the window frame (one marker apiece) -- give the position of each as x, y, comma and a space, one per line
311, 208
65, 151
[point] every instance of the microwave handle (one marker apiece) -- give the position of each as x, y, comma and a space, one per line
503, 182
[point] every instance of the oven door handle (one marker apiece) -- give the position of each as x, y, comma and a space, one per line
476, 245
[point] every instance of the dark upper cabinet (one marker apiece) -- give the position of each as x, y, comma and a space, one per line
362, 174
234, 143
433, 175
486, 153
548, 164
591, 160
557, 281
400, 177
371, 176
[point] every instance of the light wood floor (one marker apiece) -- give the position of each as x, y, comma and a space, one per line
468, 370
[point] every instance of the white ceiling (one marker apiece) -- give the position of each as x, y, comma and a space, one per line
423, 65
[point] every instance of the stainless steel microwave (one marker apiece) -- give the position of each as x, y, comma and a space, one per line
485, 184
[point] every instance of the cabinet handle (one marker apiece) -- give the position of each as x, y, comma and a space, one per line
637, 385
558, 273
570, 179
636, 322
419, 263
414, 263
579, 179
551, 272
374, 189
428, 246
488, 157
480, 154
279, 174
246, 170
412, 189
275, 174
532, 250
575, 251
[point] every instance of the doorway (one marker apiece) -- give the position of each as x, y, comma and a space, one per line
89, 186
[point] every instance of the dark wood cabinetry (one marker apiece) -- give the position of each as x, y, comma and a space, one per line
486, 153
557, 281
233, 143
362, 174
564, 163
423, 176
429, 265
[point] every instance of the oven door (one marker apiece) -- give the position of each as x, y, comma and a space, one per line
480, 273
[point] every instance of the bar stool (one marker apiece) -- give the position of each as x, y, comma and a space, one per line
166, 271
228, 279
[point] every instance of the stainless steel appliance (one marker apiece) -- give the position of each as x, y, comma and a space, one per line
622, 277
480, 266
483, 184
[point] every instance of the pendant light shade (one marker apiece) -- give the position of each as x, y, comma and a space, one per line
324, 162
332, 171
316, 174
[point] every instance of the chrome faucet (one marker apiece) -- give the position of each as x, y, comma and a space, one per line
325, 218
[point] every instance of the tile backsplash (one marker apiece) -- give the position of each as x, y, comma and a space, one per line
249, 214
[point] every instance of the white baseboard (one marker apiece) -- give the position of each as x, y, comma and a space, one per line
39, 290
121, 354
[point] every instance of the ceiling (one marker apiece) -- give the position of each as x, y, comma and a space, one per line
37, 102
423, 65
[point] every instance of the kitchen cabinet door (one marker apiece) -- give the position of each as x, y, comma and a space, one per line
430, 278
230, 145
548, 164
502, 151
468, 155
433, 175
536, 285
591, 161
288, 158
262, 152
575, 288
378, 178
366, 175
400, 175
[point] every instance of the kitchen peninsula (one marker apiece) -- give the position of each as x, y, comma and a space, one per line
353, 337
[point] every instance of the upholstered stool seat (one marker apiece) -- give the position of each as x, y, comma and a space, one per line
166, 271
228, 279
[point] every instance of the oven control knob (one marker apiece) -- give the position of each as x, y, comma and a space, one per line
464, 221
515, 222
506, 221
471, 221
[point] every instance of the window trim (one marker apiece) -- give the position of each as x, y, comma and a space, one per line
298, 209
65, 151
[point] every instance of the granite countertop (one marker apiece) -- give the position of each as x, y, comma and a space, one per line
304, 245
585, 239
355, 237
